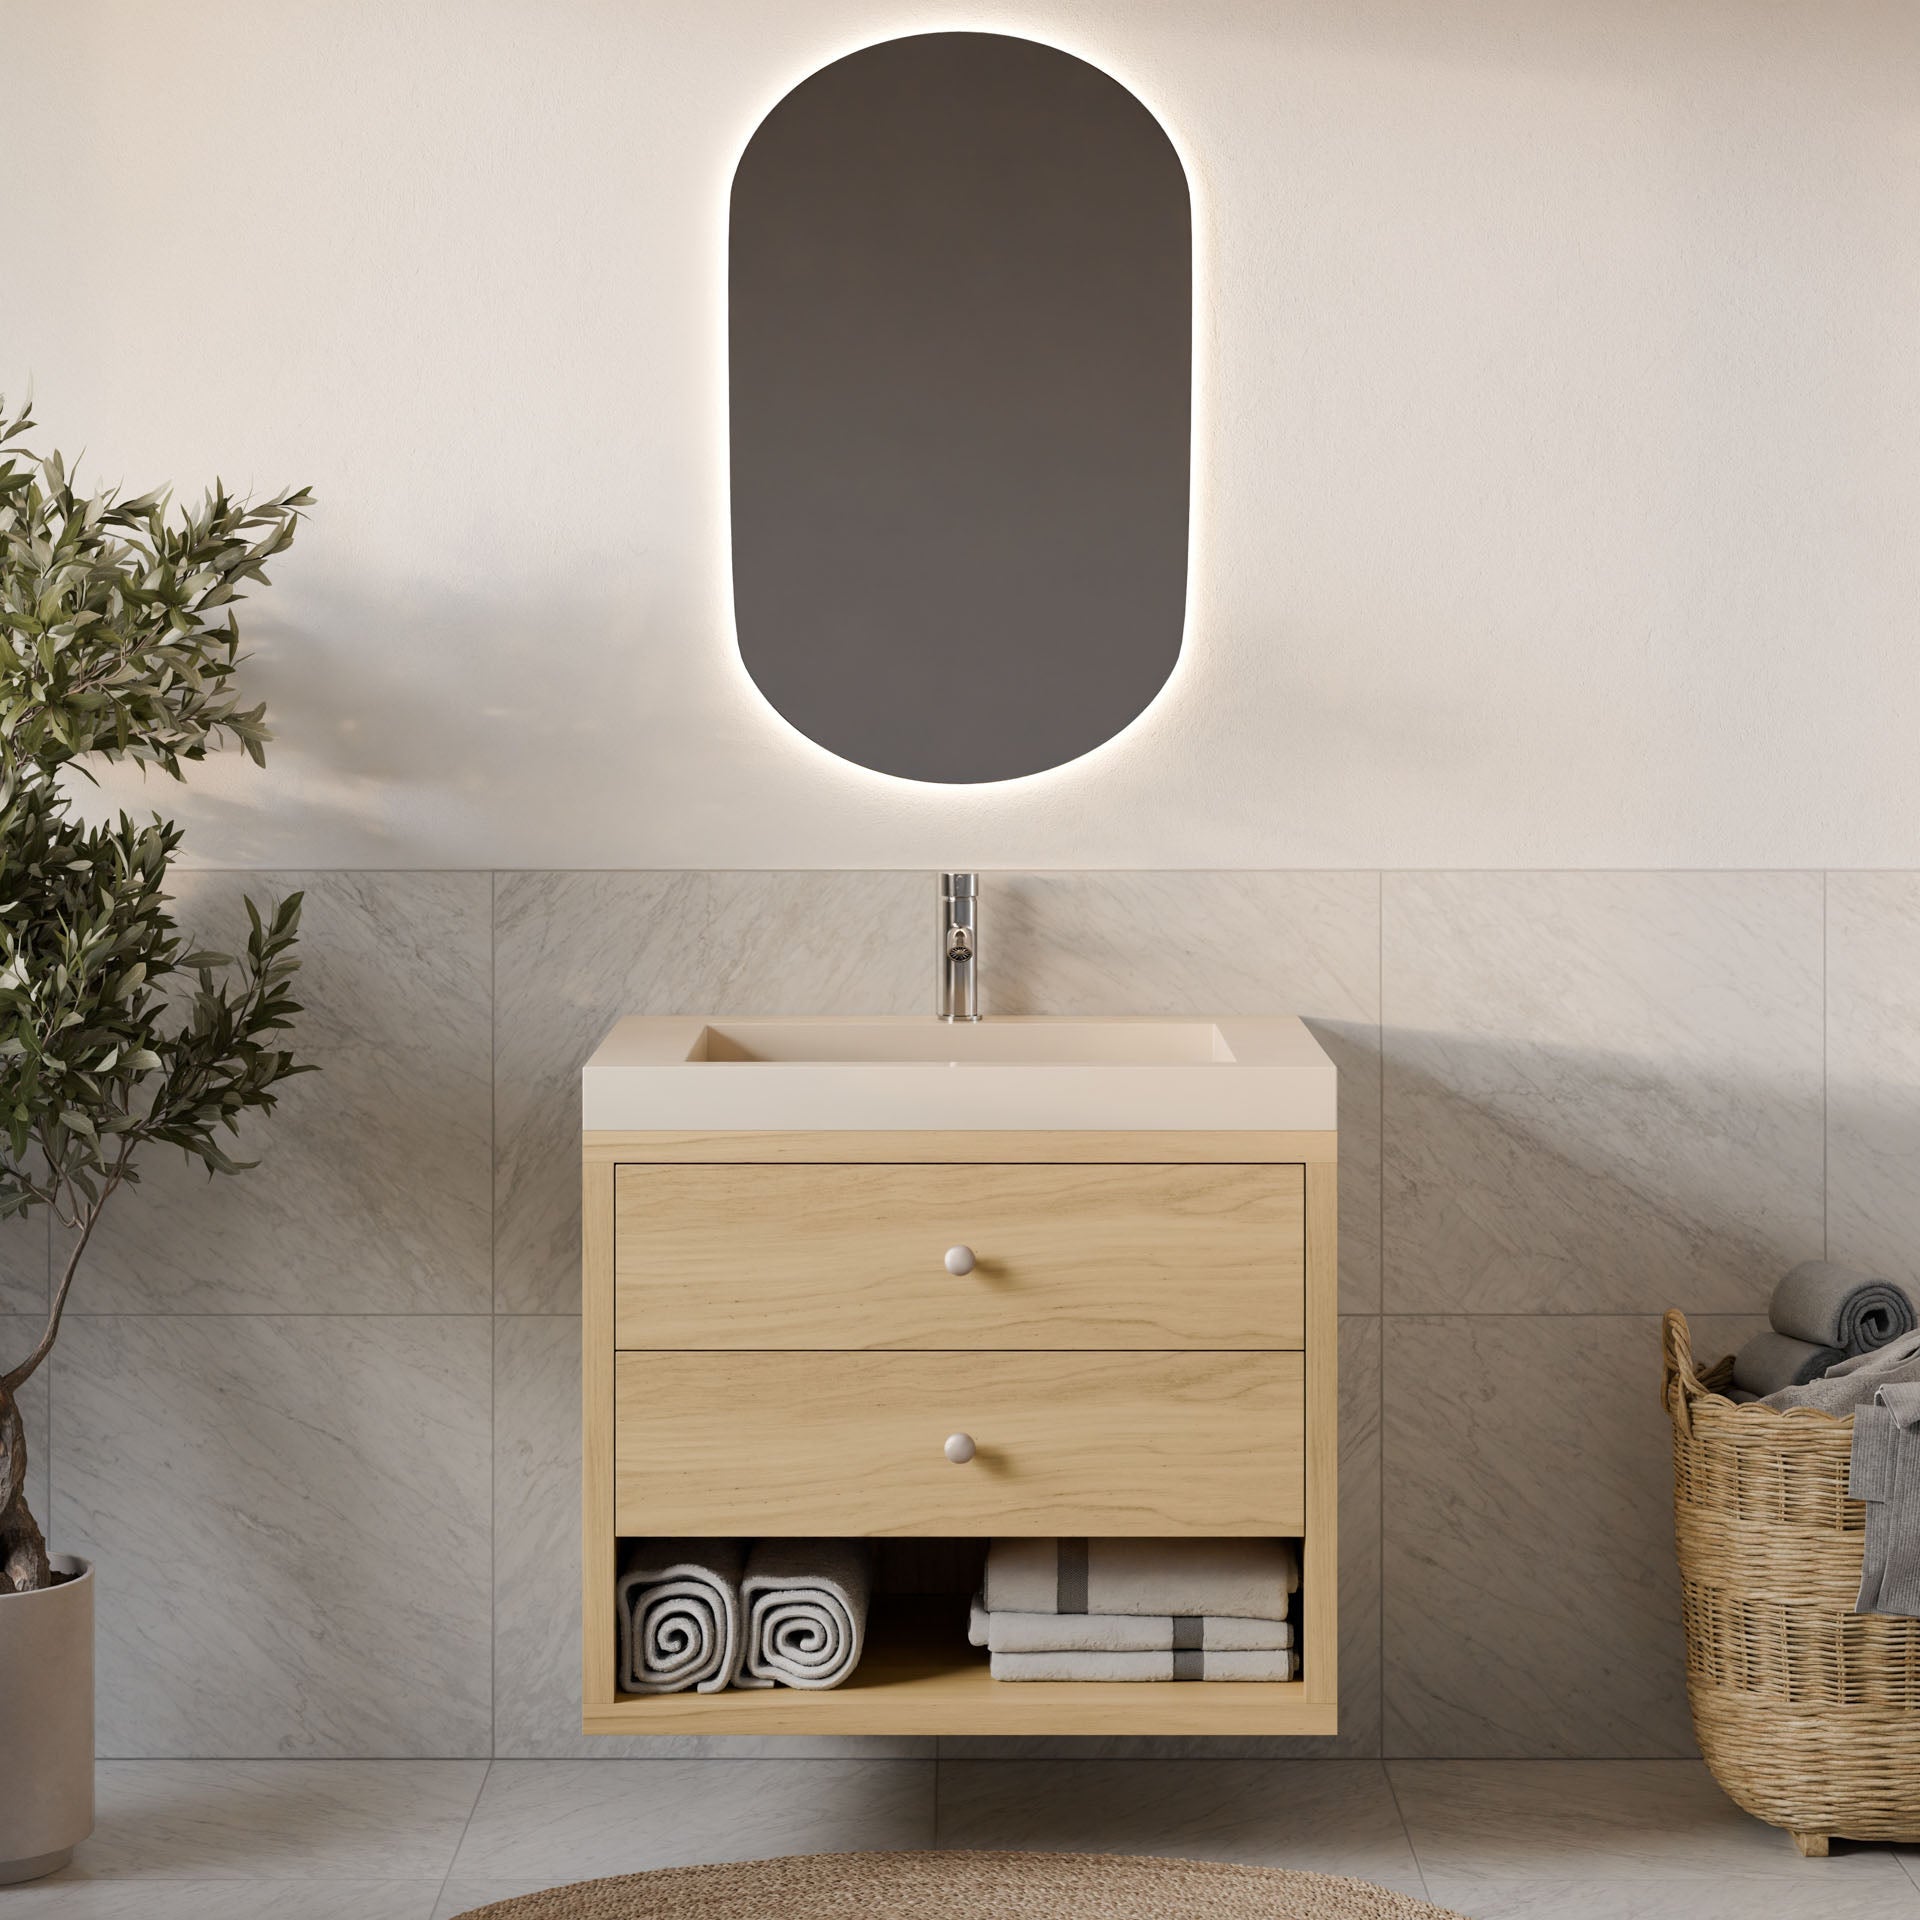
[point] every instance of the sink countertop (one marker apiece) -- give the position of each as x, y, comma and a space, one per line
691, 1073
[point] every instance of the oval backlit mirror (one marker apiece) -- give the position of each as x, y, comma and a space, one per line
960, 355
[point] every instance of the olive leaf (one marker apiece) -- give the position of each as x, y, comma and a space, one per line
118, 639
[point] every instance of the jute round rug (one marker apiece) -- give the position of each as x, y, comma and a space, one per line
966, 1886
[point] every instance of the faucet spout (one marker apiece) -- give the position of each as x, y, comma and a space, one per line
959, 949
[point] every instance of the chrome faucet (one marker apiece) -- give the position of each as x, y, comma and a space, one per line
959, 960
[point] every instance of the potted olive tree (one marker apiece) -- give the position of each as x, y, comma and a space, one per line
117, 641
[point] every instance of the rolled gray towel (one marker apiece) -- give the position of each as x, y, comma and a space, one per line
1828, 1305
806, 1611
1770, 1361
677, 1608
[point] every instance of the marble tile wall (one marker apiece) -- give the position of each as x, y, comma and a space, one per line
319, 1426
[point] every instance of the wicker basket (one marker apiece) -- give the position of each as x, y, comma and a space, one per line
1808, 1714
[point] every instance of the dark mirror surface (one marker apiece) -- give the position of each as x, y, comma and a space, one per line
960, 341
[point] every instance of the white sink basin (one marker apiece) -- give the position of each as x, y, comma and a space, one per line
764, 1075
1002, 1042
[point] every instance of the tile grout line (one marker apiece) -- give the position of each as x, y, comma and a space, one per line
1826, 1113
1911, 1868
47, 1308
1380, 1399
1406, 1832
493, 1318
453, 1859
1521, 871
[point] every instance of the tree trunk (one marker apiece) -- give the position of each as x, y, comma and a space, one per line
23, 1549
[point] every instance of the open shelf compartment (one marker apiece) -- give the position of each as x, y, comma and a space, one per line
919, 1675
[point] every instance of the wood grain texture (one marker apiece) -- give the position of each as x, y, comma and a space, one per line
597, 1531
1140, 1144
919, 1676
1320, 1548
1138, 1257
850, 1443
1116, 1432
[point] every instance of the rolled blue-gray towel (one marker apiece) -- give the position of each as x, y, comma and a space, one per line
1828, 1305
1770, 1361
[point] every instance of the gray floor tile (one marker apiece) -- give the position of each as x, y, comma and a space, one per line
1603, 1091
1490, 1833
458, 1897
67, 1899
581, 1819
373, 1192
206, 1820
1332, 1816
289, 1517
1739, 1897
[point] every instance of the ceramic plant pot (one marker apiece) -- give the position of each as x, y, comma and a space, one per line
46, 1723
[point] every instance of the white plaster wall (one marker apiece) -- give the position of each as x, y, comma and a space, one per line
1560, 422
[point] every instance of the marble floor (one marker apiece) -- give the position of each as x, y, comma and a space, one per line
428, 1839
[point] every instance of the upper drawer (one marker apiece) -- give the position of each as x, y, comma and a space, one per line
1071, 1257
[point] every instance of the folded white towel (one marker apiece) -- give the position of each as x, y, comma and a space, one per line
1238, 1579
677, 1611
806, 1607
1122, 1632
1196, 1665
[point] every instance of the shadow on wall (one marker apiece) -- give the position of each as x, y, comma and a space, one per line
417, 754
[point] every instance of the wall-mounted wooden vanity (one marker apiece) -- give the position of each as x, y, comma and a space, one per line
1142, 1343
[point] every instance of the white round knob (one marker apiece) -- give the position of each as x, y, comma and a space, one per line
959, 1260
959, 1448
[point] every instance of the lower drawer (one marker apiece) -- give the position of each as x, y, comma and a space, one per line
852, 1443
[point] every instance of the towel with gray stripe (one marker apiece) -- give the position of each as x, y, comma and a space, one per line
1138, 1609
1006, 1632
1246, 1579
1822, 1314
